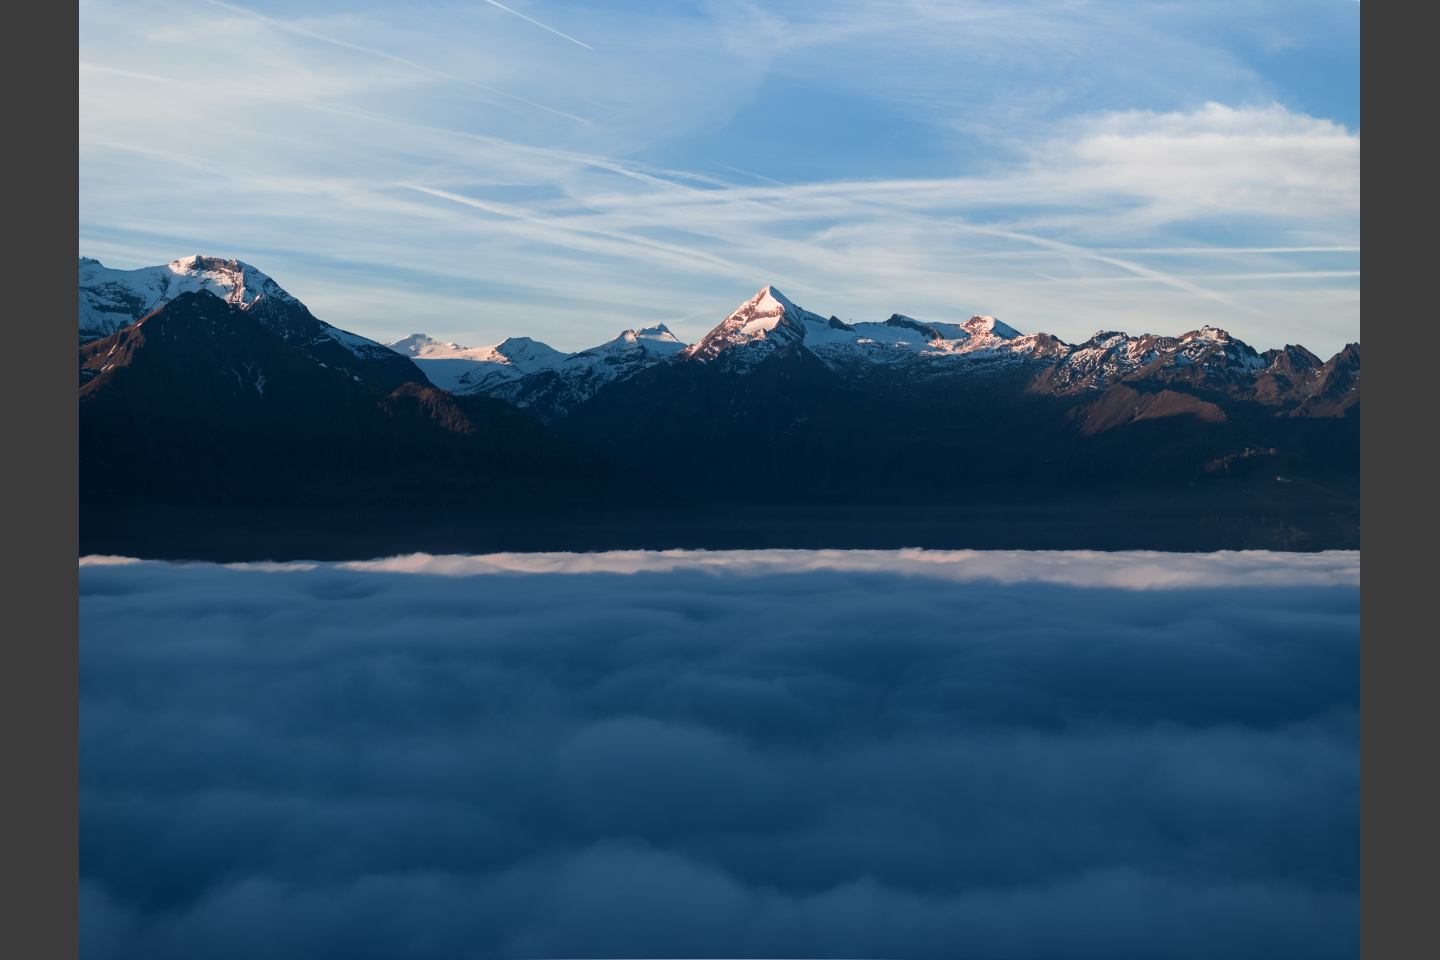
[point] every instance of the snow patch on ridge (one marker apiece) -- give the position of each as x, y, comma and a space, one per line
902, 339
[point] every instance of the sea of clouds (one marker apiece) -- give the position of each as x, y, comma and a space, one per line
760, 753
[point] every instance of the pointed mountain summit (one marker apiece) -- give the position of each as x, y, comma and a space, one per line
768, 316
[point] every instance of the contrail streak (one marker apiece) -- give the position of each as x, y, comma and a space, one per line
538, 23
1135, 268
560, 226
747, 173
1190, 250
124, 73
291, 28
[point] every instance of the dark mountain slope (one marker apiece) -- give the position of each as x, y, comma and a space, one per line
714, 431
964, 460
783, 426
198, 421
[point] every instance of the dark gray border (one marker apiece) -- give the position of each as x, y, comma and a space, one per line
1400, 786
1398, 673
41, 527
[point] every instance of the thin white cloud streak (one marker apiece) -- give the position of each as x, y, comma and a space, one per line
359, 48
578, 236
539, 24
747, 173
1306, 274
606, 243
1160, 251
1141, 272
124, 73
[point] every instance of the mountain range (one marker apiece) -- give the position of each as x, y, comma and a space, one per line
220, 418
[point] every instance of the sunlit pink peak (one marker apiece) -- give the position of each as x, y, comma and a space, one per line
232, 279
1207, 332
763, 311
981, 325
768, 316
772, 298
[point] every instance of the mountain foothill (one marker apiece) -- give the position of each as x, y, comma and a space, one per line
220, 419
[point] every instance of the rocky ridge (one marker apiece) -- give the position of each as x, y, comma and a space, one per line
551, 384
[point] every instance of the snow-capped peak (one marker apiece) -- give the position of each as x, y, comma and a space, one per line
768, 316
233, 280
762, 312
527, 354
111, 299
1207, 332
979, 326
769, 295
659, 332
657, 340
419, 345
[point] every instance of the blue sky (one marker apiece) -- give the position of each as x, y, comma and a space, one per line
567, 170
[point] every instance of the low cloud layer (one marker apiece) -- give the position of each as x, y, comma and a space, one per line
336, 761
1129, 569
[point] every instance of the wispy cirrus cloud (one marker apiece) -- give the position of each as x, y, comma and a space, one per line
373, 52
527, 223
